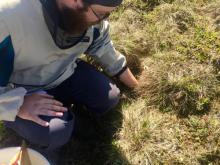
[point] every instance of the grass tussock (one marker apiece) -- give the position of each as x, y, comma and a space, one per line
178, 86
180, 49
148, 136
173, 46
175, 116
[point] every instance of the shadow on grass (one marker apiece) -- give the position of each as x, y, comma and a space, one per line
10, 139
100, 150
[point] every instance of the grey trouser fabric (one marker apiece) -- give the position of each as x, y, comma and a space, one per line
86, 86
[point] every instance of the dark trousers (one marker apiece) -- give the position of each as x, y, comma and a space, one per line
86, 86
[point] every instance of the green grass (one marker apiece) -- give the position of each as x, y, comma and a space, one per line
175, 120
173, 47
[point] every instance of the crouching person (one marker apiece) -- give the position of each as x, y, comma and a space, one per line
40, 45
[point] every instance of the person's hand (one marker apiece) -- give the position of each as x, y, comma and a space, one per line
40, 104
128, 79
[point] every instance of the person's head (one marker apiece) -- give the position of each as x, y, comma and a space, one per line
78, 15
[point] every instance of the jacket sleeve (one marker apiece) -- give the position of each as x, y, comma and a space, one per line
10, 98
103, 51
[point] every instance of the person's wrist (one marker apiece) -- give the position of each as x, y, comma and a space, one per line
121, 72
128, 79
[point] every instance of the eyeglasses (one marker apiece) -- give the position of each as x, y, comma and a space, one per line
100, 16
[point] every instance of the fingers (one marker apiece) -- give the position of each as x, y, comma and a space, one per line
47, 112
39, 121
41, 104
55, 108
51, 101
45, 95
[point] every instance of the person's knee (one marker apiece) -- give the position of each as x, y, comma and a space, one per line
60, 132
56, 135
114, 96
32, 132
108, 103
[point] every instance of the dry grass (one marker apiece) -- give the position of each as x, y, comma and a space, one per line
149, 136
173, 46
174, 118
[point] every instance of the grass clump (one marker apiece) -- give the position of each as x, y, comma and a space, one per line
175, 116
185, 91
182, 48
173, 46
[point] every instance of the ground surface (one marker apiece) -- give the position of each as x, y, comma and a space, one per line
173, 46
